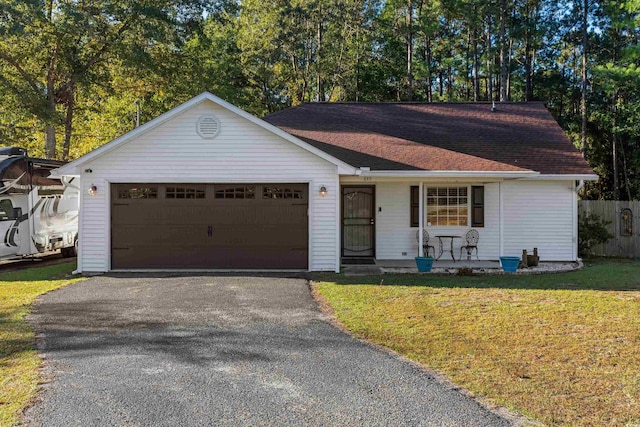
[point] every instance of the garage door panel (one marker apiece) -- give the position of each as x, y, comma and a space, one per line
262, 235
159, 213
259, 214
149, 230
132, 235
222, 257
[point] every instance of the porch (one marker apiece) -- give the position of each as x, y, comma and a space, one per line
391, 221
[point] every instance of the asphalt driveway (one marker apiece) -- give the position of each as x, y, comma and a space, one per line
197, 351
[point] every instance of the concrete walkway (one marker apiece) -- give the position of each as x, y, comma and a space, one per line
237, 351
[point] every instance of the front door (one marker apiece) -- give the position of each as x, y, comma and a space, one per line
358, 222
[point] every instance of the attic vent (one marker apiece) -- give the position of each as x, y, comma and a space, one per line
208, 126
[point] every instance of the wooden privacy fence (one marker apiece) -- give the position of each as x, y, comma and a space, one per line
625, 226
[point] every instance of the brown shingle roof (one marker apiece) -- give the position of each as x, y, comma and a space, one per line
443, 136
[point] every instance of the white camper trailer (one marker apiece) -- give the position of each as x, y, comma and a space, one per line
37, 213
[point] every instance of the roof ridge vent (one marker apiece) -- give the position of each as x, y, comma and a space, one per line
208, 126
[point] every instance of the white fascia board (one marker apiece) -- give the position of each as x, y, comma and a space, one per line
451, 174
73, 168
565, 177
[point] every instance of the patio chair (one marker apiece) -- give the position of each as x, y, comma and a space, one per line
425, 242
472, 238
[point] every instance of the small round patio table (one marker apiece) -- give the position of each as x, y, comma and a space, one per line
450, 237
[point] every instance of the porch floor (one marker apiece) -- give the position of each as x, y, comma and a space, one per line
444, 263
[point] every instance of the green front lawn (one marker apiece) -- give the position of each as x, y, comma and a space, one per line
561, 348
19, 361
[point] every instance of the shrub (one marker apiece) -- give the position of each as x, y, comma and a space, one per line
592, 230
465, 271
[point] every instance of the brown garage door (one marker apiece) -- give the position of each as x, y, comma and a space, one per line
242, 226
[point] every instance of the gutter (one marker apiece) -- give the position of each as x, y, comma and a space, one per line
524, 175
447, 174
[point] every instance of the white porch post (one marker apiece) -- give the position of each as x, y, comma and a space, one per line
420, 218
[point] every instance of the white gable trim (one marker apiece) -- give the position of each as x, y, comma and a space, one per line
73, 168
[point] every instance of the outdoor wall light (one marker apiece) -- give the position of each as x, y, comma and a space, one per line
323, 191
93, 190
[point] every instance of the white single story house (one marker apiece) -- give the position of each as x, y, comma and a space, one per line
209, 186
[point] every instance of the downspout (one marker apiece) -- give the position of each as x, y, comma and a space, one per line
501, 215
80, 254
576, 189
338, 206
420, 219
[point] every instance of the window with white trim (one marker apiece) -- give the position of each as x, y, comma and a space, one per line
447, 206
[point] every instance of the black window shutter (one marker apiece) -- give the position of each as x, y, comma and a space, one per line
477, 206
415, 206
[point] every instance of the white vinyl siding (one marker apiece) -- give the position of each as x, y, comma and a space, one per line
173, 152
394, 235
539, 214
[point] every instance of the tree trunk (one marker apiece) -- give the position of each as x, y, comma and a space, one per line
489, 68
561, 103
319, 83
503, 51
357, 74
450, 72
625, 171
614, 155
476, 68
68, 125
427, 59
450, 79
49, 130
410, 51
50, 142
528, 92
583, 101
509, 55
358, 77
468, 66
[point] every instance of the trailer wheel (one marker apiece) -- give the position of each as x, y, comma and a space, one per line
71, 251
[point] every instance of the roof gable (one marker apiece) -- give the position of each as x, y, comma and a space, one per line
437, 137
73, 167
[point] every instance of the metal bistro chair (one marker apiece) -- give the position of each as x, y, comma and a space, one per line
472, 238
425, 242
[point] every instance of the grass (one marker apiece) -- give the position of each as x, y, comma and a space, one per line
563, 349
19, 361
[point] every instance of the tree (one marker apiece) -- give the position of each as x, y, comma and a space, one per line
49, 49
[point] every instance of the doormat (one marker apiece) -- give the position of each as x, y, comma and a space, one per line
358, 261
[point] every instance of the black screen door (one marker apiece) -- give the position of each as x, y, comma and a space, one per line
358, 222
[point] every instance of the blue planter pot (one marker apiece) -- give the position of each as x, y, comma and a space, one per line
424, 264
509, 263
